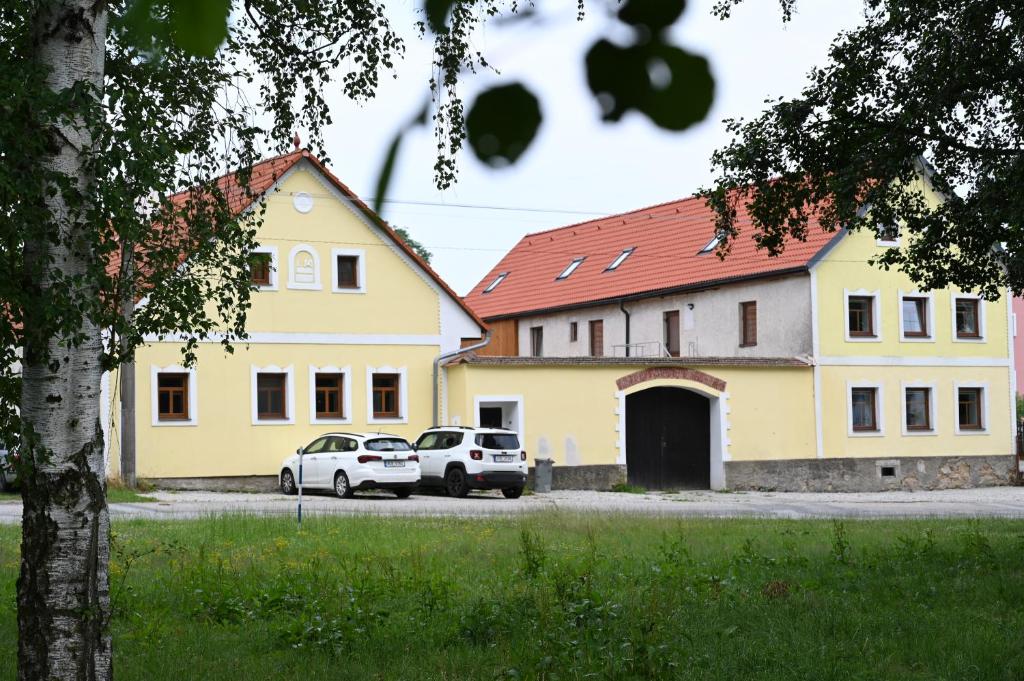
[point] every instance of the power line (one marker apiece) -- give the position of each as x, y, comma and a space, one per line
471, 206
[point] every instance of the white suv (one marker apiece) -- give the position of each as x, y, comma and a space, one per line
459, 459
345, 462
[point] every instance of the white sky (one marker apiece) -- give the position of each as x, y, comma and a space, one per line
576, 163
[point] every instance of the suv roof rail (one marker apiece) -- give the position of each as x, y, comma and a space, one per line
451, 428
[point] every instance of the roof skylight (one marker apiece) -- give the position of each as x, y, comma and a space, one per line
620, 258
494, 284
712, 245
570, 269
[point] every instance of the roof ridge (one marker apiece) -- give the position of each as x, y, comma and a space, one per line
613, 215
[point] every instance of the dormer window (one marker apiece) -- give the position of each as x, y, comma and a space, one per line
619, 259
494, 284
712, 245
570, 269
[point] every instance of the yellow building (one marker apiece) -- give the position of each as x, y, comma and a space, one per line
343, 332
624, 349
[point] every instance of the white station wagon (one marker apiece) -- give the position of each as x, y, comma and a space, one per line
346, 462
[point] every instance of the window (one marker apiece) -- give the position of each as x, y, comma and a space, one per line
328, 397
387, 444
968, 318
494, 284
271, 396
888, 235
861, 316
348, 271
536, 341
915, 315
711, 245
969, 409
497, 441
864, 409
259, 269
748, 324
304, 268
172, 397
670, 321
574, 332
439, 440
597, 338
619, 259
918, 409
570, 268
385, 396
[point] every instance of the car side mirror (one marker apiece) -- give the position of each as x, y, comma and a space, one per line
415, 447
299, 451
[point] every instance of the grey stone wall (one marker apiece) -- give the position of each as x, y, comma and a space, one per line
871, 475
248, 483
602, 477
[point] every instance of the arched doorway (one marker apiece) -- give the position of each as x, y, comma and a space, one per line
668, 439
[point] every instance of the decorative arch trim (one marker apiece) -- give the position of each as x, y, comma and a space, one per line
676, 373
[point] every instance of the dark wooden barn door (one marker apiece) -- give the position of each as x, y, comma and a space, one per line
668, 439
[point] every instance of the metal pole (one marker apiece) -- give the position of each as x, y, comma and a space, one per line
300, 490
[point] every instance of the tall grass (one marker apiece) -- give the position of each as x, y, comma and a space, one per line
559, 597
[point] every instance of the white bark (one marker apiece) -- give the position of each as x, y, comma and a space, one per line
63, 595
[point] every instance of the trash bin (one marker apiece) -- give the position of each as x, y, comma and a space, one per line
542, 475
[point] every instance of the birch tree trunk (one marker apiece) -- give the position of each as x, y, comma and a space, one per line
63, 594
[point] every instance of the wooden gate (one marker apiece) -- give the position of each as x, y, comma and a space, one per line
668, 439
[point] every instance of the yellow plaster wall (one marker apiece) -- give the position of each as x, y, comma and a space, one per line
997, 440
226, 443
771, 410
397, 300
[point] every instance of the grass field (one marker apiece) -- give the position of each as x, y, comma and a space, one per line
559, 597
115, 495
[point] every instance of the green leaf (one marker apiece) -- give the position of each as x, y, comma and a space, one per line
679, 94
654, 14
437, 14
502, 122
386, 171
200, 26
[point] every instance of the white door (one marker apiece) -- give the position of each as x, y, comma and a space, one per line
431, 458
312, 476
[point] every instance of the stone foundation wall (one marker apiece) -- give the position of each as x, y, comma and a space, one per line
248, 483
870, 474
602, 477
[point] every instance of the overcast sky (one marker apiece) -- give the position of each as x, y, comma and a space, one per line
578, 168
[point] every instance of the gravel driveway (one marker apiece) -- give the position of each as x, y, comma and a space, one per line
1004, 502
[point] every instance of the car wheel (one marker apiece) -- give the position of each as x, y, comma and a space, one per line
341, 486
512, 492
288, 483
455, 483
403, 492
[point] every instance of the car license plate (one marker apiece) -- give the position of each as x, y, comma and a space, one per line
503, 458
394, 464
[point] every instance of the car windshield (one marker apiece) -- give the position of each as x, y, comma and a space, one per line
388, 444
497, 440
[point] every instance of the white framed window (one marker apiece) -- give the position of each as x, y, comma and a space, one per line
970, 399
865, 409
917, 317
918, 408
348, 270
862, 323
887, 236
570, 268
619, 259
304, 268
494, 284
387, 395
264, 281
968, 314
174, 396
330, 394
273, 395
711, 245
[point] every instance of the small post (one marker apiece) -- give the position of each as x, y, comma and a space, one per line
301, 453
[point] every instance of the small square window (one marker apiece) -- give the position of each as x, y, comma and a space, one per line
348, 271
385, 396
918, 409
271, 394
888, 235
861, 316
259, 269
969, 409
329, 390
172, 397
915, 317
968, 318
864, 409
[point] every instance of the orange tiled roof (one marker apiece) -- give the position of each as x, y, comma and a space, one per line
266, 173
667, 239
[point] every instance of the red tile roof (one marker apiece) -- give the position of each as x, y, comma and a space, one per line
668, 239
263, 177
